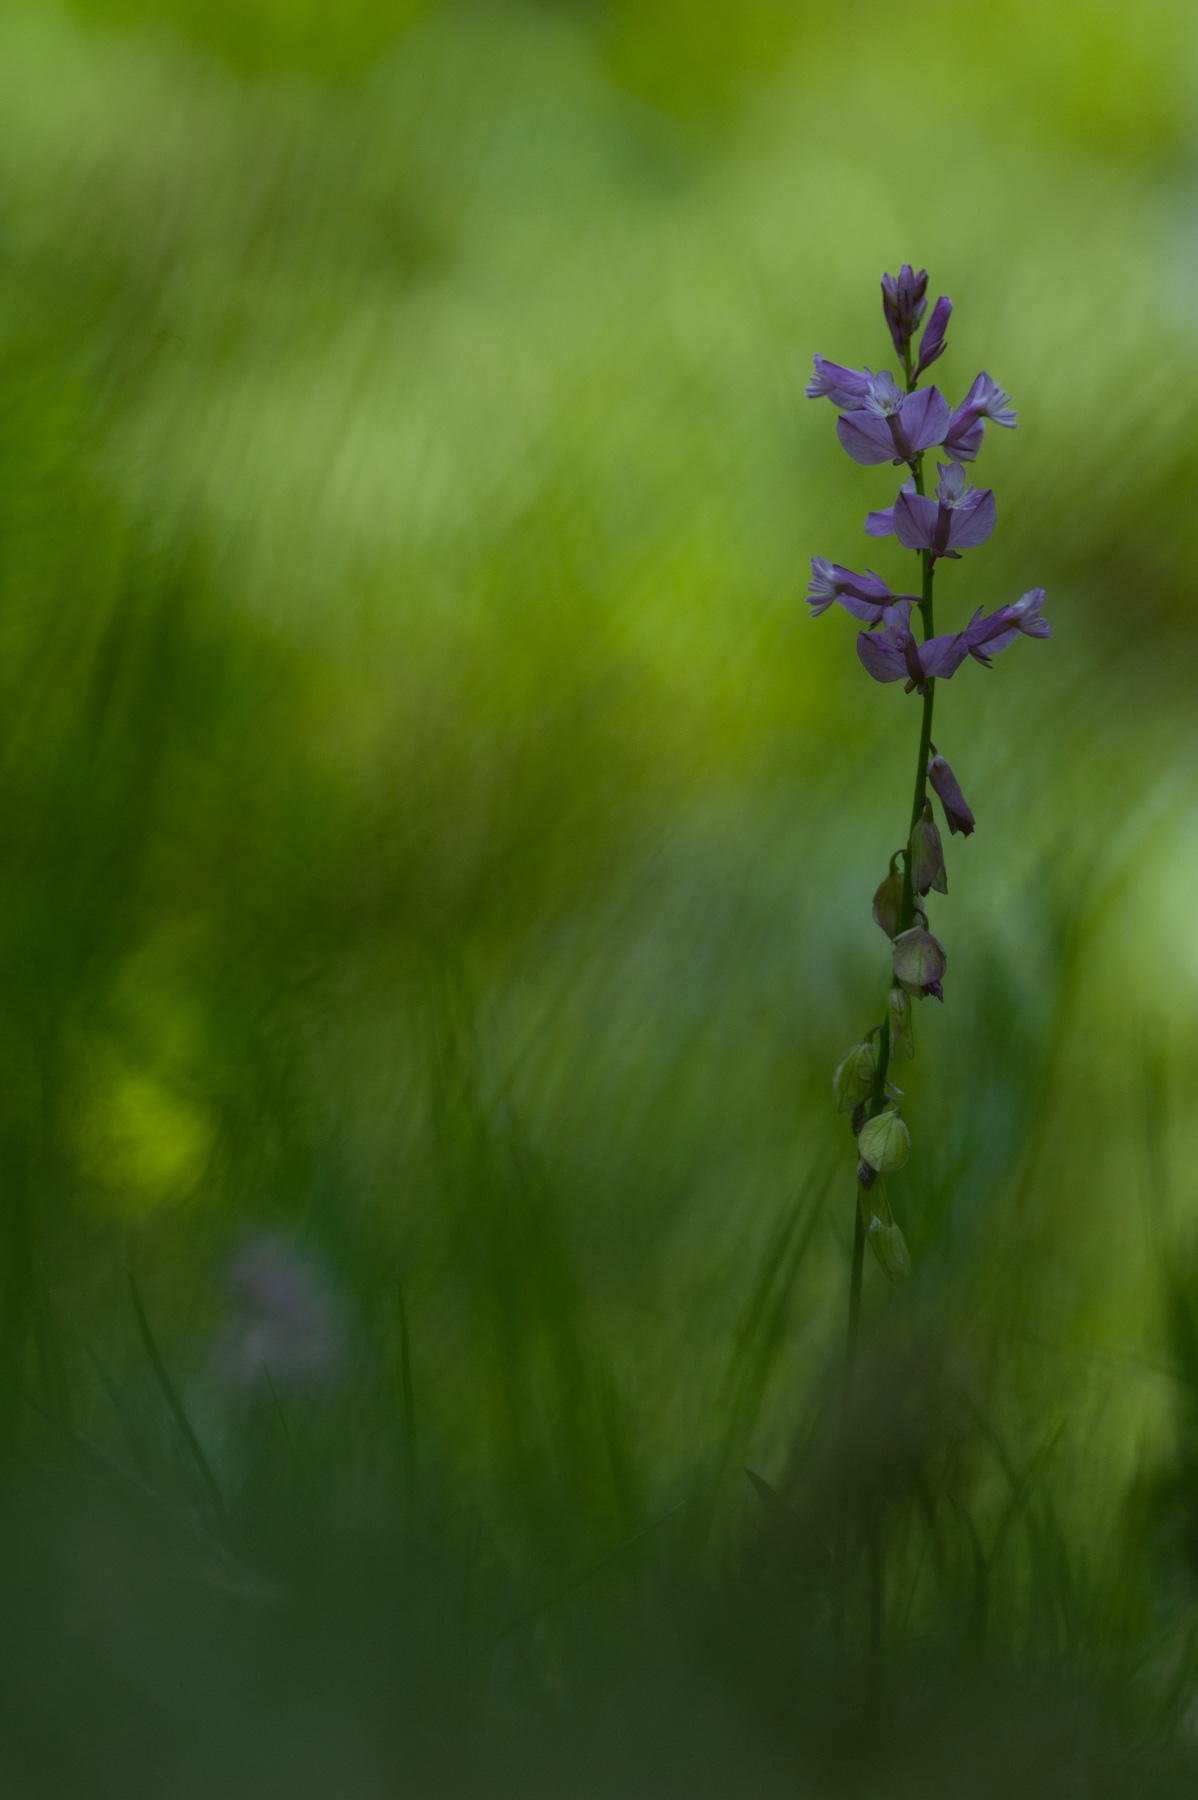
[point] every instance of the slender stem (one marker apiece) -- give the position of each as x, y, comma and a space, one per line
877, 1098
907, 908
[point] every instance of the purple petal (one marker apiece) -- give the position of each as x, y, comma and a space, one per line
943, 656
994, 645
971, 524
965, 435
925, 417
991, 402
885, 662
864, 587
933, 345
1026, 611
867, 438
869, 612
915, 519
843, 387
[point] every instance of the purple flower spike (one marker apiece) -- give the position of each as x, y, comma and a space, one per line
985, 400
903, 303
933, 345
948, 792
960, 518
846, 388
891, 426
998, 631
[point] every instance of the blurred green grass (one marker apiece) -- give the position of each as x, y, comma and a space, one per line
433, 828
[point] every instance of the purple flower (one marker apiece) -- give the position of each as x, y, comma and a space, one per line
894, 655
846, 388
948, 791
864, 596
987, 636
284, 1325
919, 963
985, 400
933, 345
903, 303
891, 426
960, 518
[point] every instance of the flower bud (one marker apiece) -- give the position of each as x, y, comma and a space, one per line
956, 807
860, 1114
884, 1142
888, 901
927, 855
902, 1037
890, 1248
853, 1081
865, 1175
919, 963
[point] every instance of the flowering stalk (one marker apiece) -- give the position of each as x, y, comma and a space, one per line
881, 423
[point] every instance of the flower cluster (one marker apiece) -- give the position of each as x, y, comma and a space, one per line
882, 422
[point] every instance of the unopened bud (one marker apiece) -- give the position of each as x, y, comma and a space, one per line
956, 807
890, 1247
927, 855
865, 1175
860, 1114
884, 1142
888, 901
854, 1077
919, 963
902, 1037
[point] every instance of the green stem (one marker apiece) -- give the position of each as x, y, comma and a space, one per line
877, 1098
928, 561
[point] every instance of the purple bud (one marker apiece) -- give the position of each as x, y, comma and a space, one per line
919, 963
927, 855
860, 1115
865, 1175
933, 345
956, 808
903, 302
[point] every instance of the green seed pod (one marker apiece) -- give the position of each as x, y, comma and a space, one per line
853, 1081
927, 855
885, 1142
902, 1036
919, 963
888, 901
890, 1247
